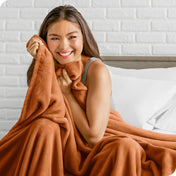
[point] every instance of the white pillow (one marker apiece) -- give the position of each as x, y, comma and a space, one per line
168, 74
138, 99
167, 120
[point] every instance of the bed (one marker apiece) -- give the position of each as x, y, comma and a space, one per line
144, 91
45, 130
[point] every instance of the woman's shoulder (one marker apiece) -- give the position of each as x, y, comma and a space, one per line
86, 60
97, 71
97, 66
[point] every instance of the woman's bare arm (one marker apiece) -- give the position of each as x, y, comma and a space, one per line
92, 124
98, 99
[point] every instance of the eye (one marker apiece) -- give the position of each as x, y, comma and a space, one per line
72, 37
54, 38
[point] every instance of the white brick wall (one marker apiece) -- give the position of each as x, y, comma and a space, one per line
121, 27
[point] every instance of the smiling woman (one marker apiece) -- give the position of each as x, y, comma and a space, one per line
65, 41
69, 40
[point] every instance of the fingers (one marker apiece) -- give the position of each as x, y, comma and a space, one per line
33, 46
61, 81
65, 75
35, 39
32, 49
58, 79
65, 79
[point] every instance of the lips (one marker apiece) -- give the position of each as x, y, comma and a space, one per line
65, 54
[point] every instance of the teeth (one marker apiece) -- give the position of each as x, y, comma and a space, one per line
65, 54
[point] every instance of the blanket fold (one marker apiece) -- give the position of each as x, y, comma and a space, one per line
46, 142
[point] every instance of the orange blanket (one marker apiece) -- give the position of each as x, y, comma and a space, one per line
45, 141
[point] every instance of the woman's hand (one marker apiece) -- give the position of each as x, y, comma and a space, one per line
33, 46
65, 83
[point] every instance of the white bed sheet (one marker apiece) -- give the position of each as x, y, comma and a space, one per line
164, 118
163, 131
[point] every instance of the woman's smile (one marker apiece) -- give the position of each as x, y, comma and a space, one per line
65, 54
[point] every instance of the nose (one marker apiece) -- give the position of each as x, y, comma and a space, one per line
63, 44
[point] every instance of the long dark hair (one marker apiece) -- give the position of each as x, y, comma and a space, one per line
69, 13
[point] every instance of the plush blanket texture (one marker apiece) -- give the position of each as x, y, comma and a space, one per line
45, 141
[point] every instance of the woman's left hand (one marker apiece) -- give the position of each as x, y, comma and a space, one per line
65, 83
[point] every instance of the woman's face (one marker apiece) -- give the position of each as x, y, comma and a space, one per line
65, 41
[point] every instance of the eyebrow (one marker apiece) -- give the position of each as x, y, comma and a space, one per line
66, 34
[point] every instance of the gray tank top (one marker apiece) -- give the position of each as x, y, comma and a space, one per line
83, 79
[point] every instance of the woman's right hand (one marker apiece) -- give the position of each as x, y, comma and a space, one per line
33, 46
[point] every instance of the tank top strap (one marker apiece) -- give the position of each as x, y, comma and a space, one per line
83, 79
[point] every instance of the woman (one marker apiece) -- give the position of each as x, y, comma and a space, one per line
69, 39
46, 141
